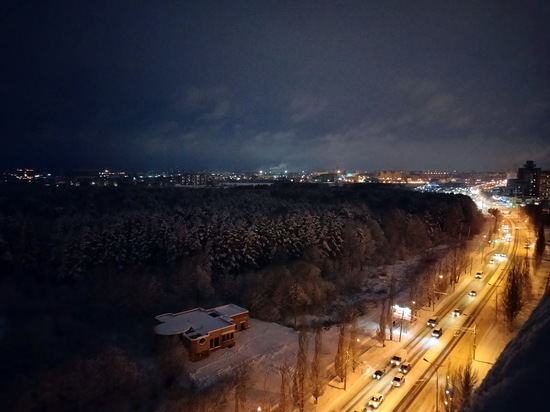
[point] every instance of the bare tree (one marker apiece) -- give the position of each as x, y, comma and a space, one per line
264, 400
517, 288
539, 246
353, 349
456, 263
317, 381
525, 276
285, 397
243, 376
460, 388
381, 332
295, 389
301, 375
390, 306
298, 298
340, 359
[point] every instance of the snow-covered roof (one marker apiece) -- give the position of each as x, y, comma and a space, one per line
192, 323
230, 310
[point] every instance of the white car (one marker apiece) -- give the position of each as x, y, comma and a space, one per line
479, 275
437, 333
491, 261
456, 312
375, 400
472, 293
398, 380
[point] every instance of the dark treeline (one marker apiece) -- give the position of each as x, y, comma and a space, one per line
85, 270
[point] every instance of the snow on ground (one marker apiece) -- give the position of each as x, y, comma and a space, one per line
519, 377
266, 346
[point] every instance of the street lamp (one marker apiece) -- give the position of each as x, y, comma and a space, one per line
416, 310
437, 365
474, 331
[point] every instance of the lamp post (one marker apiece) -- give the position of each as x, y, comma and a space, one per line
474, 331
436, 382
416, 310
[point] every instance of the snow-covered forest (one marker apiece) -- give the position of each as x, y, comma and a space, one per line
85, 270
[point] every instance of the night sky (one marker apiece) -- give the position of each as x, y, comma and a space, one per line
297, 85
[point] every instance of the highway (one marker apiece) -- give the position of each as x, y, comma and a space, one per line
472, 335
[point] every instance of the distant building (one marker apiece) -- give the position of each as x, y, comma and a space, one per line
391, 176
527, 182
544, 184
203, 331
25, 174
196, 179
528, 177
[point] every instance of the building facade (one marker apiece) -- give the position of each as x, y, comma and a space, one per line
528, 177
544, 184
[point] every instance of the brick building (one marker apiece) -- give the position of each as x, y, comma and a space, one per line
203, 331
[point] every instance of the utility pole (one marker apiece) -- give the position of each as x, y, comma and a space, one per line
433, 292
348, 358
401, 328
437, 366
475, 333
496, 304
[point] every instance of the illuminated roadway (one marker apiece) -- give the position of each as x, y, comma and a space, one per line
455, 346
490, 337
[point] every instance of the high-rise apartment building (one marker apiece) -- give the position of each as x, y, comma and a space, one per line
527, 182
544, 184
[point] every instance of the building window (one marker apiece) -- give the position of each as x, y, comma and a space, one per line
215, 343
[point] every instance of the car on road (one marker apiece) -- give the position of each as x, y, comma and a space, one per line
398, 358
479, 275
432, 322
404, 368
375, 400
378, 373
456, 312
472, 293
491, 261
503, 255
436, 333
398, 380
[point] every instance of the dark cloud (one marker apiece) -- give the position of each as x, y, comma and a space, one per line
249, 85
